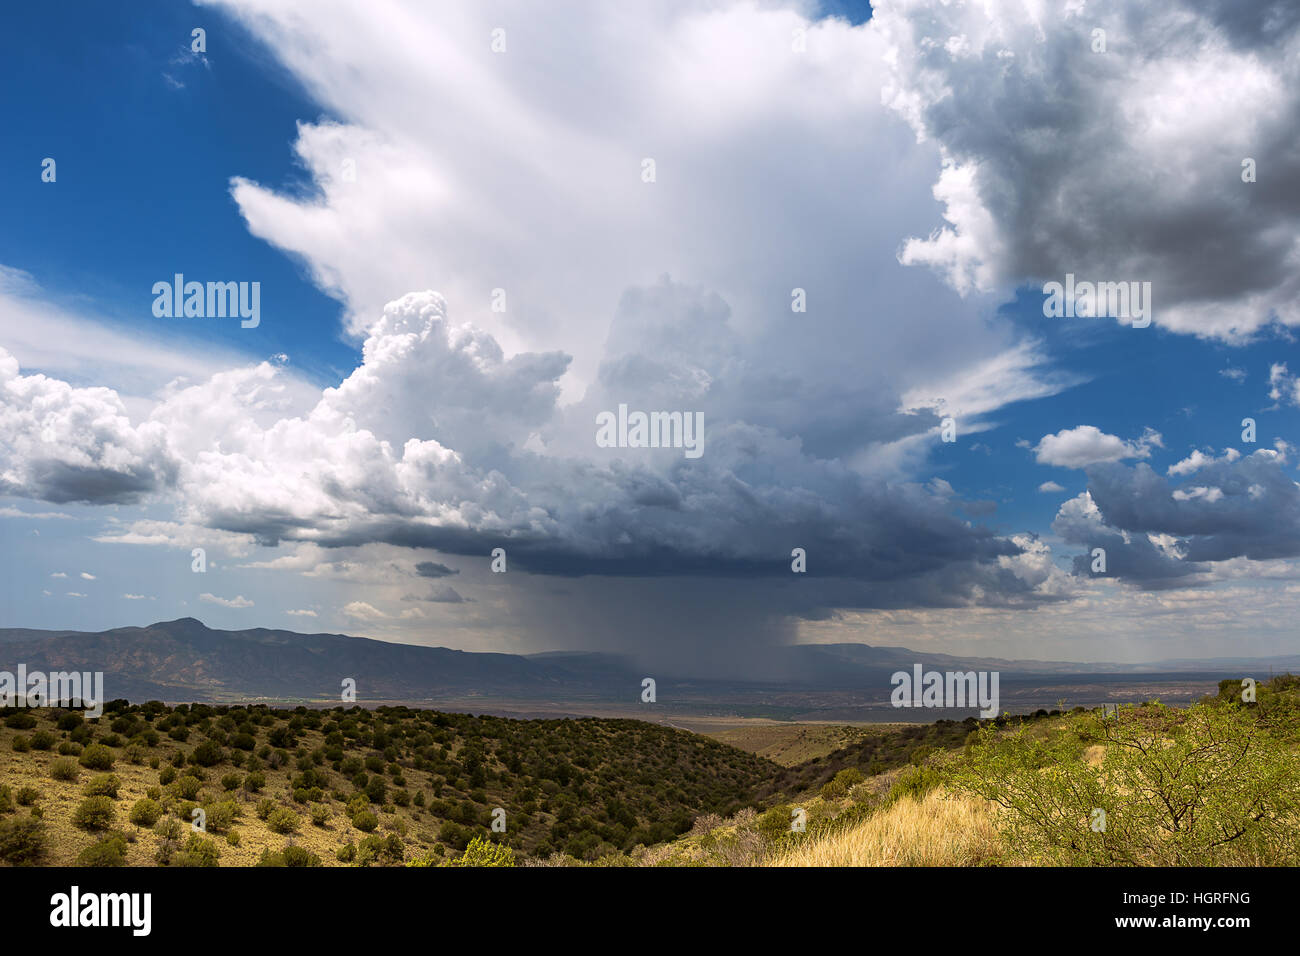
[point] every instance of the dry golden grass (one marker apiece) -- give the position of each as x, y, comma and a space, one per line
938, 830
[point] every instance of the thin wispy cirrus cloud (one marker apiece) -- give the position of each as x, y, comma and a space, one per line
505, 272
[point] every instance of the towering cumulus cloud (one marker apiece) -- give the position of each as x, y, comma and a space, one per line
1108, 138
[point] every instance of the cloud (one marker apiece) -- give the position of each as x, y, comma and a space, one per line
137, 597
238, 601
7, 512
302, 613
1283, 387
442, 595
432, 569
87, 576
1197, 460
59, 443
1050, 486
1049, 149
1156, 535
362, 611
1087, 445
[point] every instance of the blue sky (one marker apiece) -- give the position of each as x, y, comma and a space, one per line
908, 192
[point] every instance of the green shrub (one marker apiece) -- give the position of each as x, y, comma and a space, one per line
21, 744
20, 720
94, 813
914, 782
289, 856
1206, 786
43, 740
282, 820
26, 796
208, 754
22, 840
221, 816
839, 785
255, 781
110, 851
145, 812
365, 821
198, 851
97, 757
483, 852
102, 785
65, 768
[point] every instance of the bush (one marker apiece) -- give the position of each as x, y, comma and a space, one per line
97, 757
20, 721
103, 785
839, 785
282, 820
208, 754
167, 776
365, 821
914, 782
22, 840
255, 781
320, 814
110, 851
289, 856
198, 851
21, 744
221, 816
483, 852
26, 796
94, 813
145, 812
65, 769
1205, 786
230, 782
43, 740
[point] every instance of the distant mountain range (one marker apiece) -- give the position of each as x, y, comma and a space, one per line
186, 660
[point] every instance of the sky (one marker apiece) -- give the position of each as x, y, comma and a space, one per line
826, 231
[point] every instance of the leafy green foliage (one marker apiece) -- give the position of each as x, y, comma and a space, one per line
1206, 786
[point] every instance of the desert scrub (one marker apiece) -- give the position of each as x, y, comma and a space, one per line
145, 812
1206, 786
65, 769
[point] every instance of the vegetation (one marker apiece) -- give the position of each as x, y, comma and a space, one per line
198, 785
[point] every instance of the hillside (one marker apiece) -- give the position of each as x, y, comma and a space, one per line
396, 785
423, 781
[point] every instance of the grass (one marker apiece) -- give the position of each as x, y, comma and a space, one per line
939, 829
